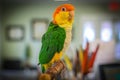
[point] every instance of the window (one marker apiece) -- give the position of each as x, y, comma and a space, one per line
88, 32
117, 31
117, 51
106, 31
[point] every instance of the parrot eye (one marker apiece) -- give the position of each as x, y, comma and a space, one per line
63, 9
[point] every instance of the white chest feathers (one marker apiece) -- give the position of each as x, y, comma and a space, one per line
67, 40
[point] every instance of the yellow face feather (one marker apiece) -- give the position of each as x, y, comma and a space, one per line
62, 19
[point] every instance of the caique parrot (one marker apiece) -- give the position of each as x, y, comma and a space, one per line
58, 36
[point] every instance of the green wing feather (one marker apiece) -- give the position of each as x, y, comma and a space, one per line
52, 42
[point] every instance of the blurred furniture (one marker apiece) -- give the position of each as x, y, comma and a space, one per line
19, 75
110, 71
14, 70
12, 64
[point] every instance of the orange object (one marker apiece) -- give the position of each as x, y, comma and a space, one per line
85, 58
92, 59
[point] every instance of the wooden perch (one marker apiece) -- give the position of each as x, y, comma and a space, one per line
53, 72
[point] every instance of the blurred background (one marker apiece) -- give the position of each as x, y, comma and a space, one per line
23, 22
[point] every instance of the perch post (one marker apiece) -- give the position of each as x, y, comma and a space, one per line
53, 72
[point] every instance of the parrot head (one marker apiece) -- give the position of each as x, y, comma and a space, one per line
64, 15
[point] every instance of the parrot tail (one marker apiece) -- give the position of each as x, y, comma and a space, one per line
43, 68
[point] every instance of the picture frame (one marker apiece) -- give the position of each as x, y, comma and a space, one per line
39, 27
15, 32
